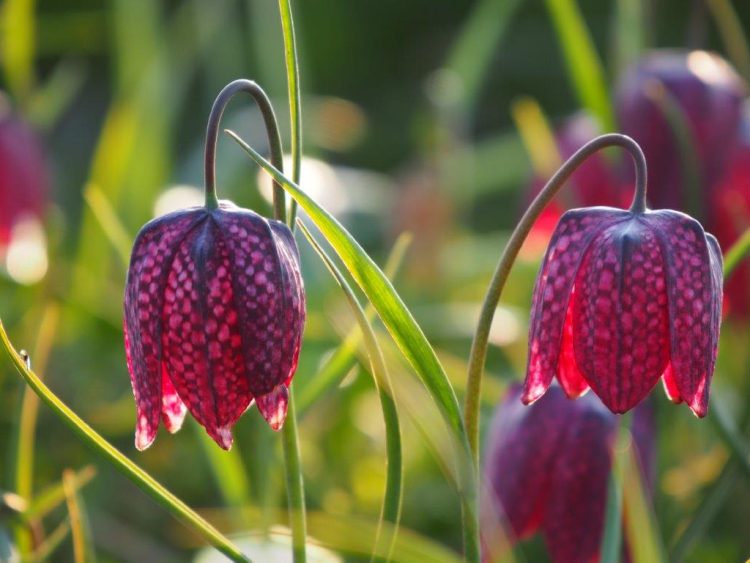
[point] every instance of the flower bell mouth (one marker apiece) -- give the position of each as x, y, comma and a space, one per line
622, 299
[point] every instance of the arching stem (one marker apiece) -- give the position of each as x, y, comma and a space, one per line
274, 140
478, 354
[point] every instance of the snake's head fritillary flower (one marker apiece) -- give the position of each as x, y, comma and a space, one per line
23, 173
708, 94
214, 314
622, 299
548, 466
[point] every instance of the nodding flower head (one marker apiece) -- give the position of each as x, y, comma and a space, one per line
547, 467
214, 312
622, 299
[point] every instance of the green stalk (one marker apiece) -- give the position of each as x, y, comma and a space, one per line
612, 538
294, 484
391, 510
478, 354
111, 454
292, 76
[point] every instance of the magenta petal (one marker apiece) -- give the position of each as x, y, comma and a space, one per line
620, 315
172, 408
574, 516
554, 284
260, 305
273, 406
570, 377
149, 265
694, 288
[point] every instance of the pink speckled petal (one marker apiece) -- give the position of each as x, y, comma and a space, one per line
574, 516
552, 291
273, 406
670, 385
523, 446
620, 316
293, 291
694, 300
258, 278
149, 264
172, 408
570, 377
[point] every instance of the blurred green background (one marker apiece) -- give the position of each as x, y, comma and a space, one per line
408, 126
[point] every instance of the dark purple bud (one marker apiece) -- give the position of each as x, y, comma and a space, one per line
708, 93
548, 466
623, 298
214, 314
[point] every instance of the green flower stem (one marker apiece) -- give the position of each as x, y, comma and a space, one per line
295, 103
142, 479
479, 345
212, 137
294, 484
612, 536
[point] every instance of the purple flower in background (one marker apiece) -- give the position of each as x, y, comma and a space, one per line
547, 468
622, 299
214, 314
23, 173
707, 92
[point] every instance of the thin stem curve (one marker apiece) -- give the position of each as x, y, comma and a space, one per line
272, 129
478, 354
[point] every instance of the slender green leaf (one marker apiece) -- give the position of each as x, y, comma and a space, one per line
391, 510
83, 551
343, 359
584, 66
374, 283
476, 45
732, 34
736, 253
48, 547
612, 538
18, 40
51, 497
629, 33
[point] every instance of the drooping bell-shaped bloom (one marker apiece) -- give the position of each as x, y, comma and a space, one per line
23, 173
547, 468
622, 299
707, 93
214, 314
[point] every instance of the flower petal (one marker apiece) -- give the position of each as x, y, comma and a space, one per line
574, 516
694, 289
620, 316
552, 292
273, 406
150, 261
523, 446
294, 299
172, 408
258, 279
570, 377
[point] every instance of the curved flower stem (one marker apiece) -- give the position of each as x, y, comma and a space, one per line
479, 345
294, 484
142, 479
212, 135
292, 76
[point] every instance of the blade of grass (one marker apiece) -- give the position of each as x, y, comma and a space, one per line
612, 537
82, 548
641, 528
403, 329
109, 221
391, 509
48, 547
537, 136
51, 497
629, 33
476, 45
18, 42
142, 479
585, 69
344, 358
732, 34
